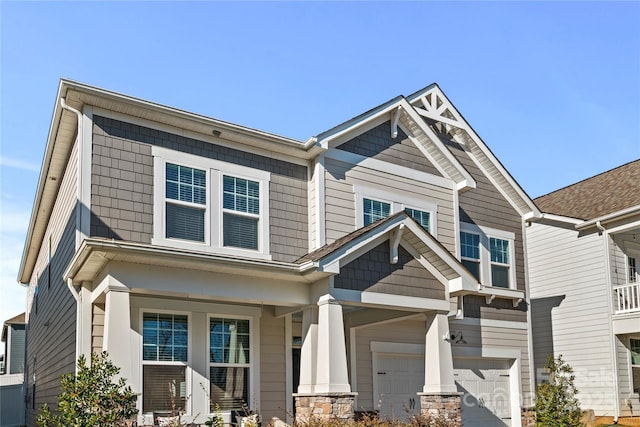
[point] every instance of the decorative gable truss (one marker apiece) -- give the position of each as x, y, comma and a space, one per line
401, 115
433, 106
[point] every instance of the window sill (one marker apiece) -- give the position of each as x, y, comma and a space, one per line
491, 292
206, 248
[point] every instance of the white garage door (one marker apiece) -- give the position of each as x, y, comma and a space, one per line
399, 379
485, 383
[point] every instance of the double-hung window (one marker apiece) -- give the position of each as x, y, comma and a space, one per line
229, 362
488, 254
470, 252
241, 212
186, 201
209, 205
500, 255
165, 344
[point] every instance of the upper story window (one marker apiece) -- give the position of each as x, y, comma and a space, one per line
423, 218
488, 254
374, 204
186, 202
470, 252
209, 205
499, 262
373, 210
241, 207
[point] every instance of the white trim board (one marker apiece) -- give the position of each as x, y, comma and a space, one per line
381, 166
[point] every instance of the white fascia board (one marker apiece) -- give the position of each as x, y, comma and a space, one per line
440, 251
33, 241
415, 116
551, 219
464, 125
182, 114
342, 256
615, 216
389, 300
378, 165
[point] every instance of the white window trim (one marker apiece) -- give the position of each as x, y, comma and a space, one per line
398, 203
254, 359
187, 364
485, 234
214, 170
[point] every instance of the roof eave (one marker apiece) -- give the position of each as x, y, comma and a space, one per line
614, 216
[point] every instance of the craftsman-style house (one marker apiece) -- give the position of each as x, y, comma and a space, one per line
379, 266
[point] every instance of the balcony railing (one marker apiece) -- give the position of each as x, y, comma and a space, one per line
627, 298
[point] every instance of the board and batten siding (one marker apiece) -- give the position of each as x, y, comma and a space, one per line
122, 185
570, 308
51, 336
340, 179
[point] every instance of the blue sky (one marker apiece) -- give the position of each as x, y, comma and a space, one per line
553, 88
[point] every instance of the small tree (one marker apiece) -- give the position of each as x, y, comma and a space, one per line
556, 402
91, 398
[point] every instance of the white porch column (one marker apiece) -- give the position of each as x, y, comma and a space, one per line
308, 351
117, 330
438, 361
332, 375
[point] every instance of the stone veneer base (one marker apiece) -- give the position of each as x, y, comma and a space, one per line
447, 406
324, 406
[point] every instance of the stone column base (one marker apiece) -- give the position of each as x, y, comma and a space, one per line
447, 406
324, 406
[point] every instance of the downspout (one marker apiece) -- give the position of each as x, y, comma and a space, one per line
76, 295
612, 337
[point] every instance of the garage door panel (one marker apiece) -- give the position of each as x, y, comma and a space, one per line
486, 399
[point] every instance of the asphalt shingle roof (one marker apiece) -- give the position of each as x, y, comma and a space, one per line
600, 195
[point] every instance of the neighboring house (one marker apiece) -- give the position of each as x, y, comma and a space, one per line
585, 297
12, 405
378, 266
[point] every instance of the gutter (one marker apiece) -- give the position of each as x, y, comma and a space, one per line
621, 214
90, 245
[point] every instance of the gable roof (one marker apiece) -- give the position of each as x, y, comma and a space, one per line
603, 194
421, 244
401, 113
432, 104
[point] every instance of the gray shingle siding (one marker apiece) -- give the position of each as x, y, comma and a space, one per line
122, 185
378, 144
373, 272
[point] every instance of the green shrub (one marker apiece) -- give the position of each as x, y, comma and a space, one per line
556, 402
91, 398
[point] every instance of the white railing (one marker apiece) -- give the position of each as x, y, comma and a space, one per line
627, 298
